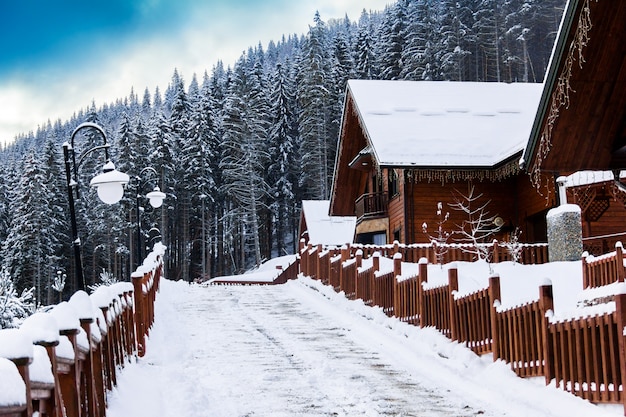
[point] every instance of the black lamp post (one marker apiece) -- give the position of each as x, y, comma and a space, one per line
109, 185
155, 197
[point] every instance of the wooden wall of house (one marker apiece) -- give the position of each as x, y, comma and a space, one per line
396, 209
612, 221
514, 199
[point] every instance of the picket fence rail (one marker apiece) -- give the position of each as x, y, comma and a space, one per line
585, 355
62, 362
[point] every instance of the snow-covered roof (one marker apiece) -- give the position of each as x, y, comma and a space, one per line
439, 123
325, 229
581, 178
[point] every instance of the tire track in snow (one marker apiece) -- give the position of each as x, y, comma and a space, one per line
259, 351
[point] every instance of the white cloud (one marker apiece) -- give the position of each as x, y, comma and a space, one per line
211, 34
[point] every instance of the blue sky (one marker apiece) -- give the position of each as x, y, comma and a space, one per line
57, 56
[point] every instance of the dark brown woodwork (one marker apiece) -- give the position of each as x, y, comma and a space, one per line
589, 132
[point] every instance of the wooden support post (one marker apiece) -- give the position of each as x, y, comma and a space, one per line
345, 255
620, 313
397, 264
494, 299
423, 277
496, 252
546, 304
376, 261
585, 266
137, 278
619, 255
22, 365
453, 286
90, 395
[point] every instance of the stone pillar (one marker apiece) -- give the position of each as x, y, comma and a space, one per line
565, 239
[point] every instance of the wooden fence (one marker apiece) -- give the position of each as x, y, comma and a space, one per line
536, 253
583, 355
604, 269
61, 363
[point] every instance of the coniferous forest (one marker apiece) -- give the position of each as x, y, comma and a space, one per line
236, 149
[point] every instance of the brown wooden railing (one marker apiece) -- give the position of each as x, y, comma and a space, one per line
84, 342
604, 269
583, 355
371, 205
598, 245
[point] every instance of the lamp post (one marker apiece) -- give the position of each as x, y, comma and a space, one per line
109, 185
155, 197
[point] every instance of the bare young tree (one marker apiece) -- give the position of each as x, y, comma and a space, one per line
478, 226
514, 246
439, 239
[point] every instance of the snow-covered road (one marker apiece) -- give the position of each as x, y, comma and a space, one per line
302, 350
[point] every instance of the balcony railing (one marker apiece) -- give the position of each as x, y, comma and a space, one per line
371, 205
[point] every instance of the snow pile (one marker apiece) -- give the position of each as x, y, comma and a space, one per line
12, 387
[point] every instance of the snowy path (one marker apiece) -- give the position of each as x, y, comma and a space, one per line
292, 351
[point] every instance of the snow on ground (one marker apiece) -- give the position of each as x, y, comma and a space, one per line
302, 349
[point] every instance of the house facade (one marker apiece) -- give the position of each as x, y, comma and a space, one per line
580, 125
406, 148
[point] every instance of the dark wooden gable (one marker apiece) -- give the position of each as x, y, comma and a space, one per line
347, 182
581, 120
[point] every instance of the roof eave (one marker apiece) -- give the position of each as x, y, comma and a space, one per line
569, 15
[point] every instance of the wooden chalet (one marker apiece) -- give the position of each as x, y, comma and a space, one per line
581, 124
406, 146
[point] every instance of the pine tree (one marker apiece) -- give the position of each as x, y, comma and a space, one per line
282, 154
313, 95
391, 41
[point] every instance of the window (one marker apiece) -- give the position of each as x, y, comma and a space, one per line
374, 238
396, 235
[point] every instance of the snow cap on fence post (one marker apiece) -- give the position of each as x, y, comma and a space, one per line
15, 344
396, 246
302, 245
397, 264
82, 304
42, 329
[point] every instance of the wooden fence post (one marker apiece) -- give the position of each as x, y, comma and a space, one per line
345, 255
620, 312
496, 252
619, 255
137, 277
397, 271
546, 304
453, 286
494, 299
585, 266
422, 277
376, 261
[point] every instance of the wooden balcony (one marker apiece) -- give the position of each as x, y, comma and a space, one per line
371, 205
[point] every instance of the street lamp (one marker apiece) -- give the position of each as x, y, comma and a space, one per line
109, 185
155, 197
